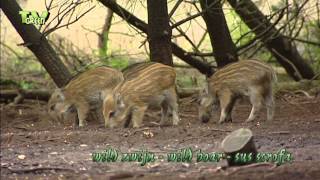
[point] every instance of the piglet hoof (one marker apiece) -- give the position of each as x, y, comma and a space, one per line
77, 127
176, 122
229, 120
83, 124
81, 127
221, 121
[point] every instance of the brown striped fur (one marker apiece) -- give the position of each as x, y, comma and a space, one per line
134, 69
251, 78
148, 85
83, 93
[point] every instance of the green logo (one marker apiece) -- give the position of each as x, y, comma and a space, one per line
32, 17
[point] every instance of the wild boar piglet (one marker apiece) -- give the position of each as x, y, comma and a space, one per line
245, 78
82, 93
147, 85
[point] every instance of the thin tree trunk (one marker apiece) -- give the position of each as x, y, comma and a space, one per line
139, 24
159, 32
103, 37
224, 50
282, 49
37, 44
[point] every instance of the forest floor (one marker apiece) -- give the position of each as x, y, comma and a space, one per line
33, 146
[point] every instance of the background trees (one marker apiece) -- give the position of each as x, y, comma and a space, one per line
281, 48
37, 44
224, 49
213, 33
159, 32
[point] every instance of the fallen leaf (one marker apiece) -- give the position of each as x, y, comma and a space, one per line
21, 156
148, 134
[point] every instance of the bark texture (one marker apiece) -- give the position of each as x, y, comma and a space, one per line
103, 37
224, 50
159, 32
204, 68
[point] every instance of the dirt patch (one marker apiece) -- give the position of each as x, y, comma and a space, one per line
34, 146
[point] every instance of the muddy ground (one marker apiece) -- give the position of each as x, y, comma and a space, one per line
33, 146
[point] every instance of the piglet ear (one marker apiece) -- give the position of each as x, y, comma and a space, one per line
121, 104
119, 100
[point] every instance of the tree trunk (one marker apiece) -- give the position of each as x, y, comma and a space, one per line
103, 37
282, 49
34, 40
224, 50
176, 50
159, 32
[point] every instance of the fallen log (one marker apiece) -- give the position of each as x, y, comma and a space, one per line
17, 96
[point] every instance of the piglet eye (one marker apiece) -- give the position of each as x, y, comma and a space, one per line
111, 114
52, 107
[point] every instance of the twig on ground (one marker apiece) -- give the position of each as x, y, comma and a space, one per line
305, 93
20, 171
280, 132
236, 169
221, 130
188, 115
297, 92
122, 175
155, 123
23, 128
